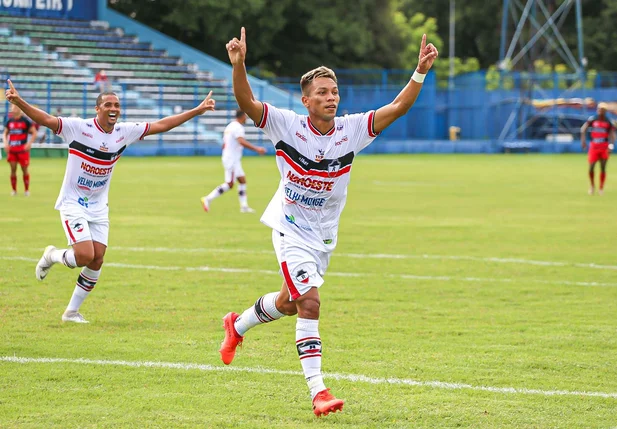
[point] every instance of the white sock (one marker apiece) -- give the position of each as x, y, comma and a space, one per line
264, 311
308, 344
244, 201
85, 283
65, 257
218, 191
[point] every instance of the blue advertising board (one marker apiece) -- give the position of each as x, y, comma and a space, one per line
65, 9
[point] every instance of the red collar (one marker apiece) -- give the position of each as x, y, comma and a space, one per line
98, 127
316, 131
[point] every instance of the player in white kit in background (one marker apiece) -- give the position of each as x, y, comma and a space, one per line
314, 155
234, 142
95, 145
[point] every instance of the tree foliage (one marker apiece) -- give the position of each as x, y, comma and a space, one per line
288, 37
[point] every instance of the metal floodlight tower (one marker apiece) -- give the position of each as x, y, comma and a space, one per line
535, 34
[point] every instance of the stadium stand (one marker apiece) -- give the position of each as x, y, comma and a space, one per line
52, 62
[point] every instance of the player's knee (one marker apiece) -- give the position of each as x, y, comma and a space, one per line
84, 257
288, 308
96, 263
308, 307
231, 184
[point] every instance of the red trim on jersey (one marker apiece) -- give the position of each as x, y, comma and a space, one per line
264, 117
145, 131
59, 130
290, 284
316, 131
96, 124
90, 159
371, 124
68, 228
312, 172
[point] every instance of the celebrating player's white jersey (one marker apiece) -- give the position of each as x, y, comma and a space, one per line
93, 154
95, 145
315, 170
314, 154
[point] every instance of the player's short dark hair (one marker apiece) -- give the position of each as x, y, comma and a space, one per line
309, 77
239, 114
99, 99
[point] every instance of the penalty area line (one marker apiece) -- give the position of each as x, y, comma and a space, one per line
342, 377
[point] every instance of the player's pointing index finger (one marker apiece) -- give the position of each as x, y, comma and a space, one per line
423, 44
10, 84
242, 35
209, 96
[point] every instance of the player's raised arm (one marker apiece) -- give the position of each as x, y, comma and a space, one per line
169, 122
387, 114
34, 113
242, 89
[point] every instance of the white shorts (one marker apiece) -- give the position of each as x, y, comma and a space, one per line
233, 170
77, 228
301, 267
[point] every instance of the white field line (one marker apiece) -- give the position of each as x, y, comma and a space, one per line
394, 256
335, 274
345, 377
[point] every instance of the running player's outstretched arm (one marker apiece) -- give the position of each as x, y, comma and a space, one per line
242, 89
389, 113
34, 113
169, 122
245, 143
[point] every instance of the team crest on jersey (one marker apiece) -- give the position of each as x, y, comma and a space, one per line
334, 167
302, 276
103, 147
303, 124
319, 157
339, 127
78, 227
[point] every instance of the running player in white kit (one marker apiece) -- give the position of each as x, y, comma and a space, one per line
95, 145
314, 154
234, 142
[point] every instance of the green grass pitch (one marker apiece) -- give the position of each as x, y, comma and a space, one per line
466, 291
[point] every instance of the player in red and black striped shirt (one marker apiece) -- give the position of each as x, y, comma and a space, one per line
602, 133
17, 145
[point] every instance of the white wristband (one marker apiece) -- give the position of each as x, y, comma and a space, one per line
418, 77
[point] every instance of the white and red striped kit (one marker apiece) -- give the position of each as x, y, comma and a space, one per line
315, 169
93, 154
